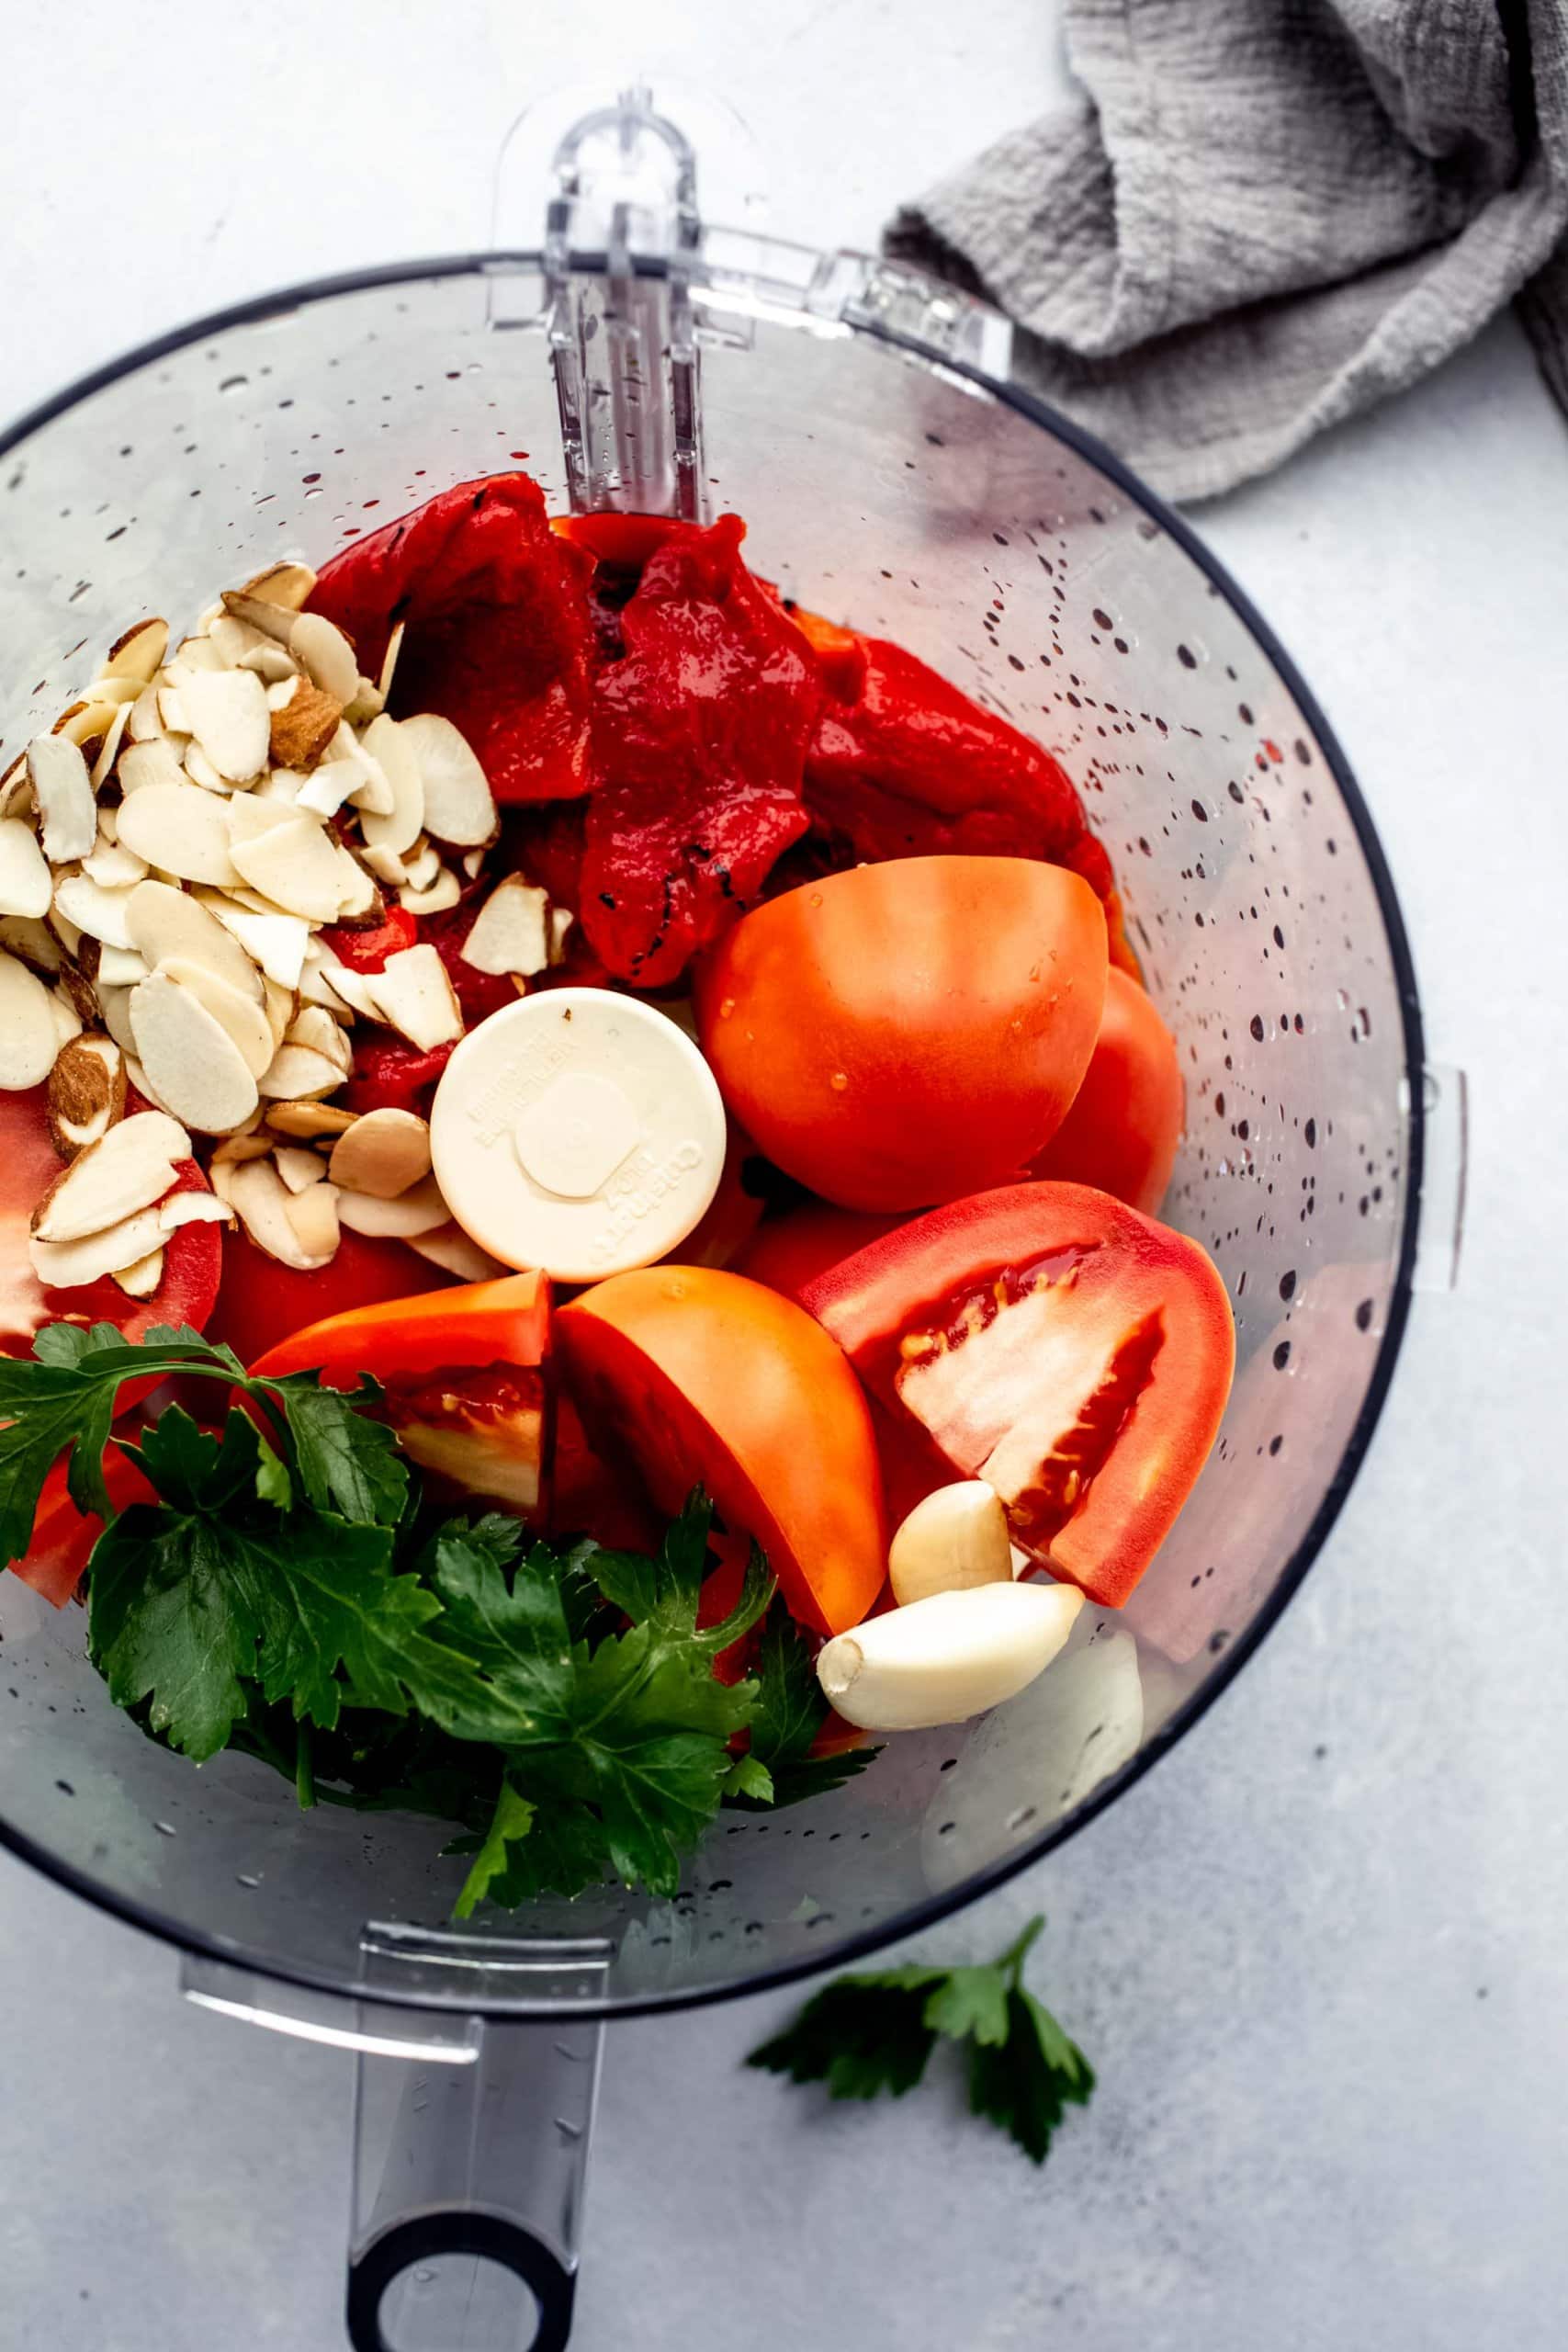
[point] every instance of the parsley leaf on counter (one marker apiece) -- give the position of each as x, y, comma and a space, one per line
874, 2033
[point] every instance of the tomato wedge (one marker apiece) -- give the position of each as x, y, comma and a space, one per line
1053, 1341
63, 1536
1125, 1122
791, 1250
698, 1375
261, 1302
461, 1369
193, 1255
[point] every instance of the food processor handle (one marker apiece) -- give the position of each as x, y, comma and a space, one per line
454, 2162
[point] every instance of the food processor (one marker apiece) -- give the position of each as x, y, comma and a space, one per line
894, 474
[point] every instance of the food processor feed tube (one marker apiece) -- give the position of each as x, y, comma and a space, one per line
864, 423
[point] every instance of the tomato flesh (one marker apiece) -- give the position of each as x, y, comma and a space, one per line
483, 1432
699, 1375
1058, 1344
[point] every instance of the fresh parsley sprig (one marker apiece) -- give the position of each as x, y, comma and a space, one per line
874, 2033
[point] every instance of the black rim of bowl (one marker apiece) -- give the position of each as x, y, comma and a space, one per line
918, 1915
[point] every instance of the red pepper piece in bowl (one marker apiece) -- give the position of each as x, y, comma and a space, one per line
499, 635
699, 739
391, 1075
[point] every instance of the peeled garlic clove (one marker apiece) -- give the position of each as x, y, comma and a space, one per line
945, 1658
954, 1539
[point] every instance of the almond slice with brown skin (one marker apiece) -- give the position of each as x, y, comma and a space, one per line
146, 720
342, 980
326, 654
87, 1093
414, 994
141, 1279
320, 1033
309, 1119
26, 885
443, 893
294, 1073
33, 941
397, 760
389, 661
460, 806
261, 1200
164, 922
138, 654
241, 1015
196, 1070
28, 1039
180, 830
387, 865
361, 900
62, 791
281, 1004
382, 1154
421, 1209
66, 1265
303, 725
155, 761
422, 863
288, 584
193, 1208
313, 1215
316, 989
129, 1169
295, 866
108, 749
511, 933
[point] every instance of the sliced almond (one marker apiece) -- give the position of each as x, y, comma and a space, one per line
114, 868
340, 979
28, 1039
201, 770
120, 968
369, 702
271, 662
26, 886
108, 749
191, 1207
295, 866
16, 789
304, 726
510, 932
313, 1215
87, 1093
237, 1013
458, 804
252, 813
320, 1033
116, 692
197, 1069
263, 613
472, 861
101, 914
154, 761
66, 1265
419, 1210
450, 1249
327, 655
387, 865
138, 654
414, 994
397, 756
140, 1280
249, 1143
172, 711
382, 1154
146, 720
294, 1073
226, 711
442, 894
324, 792
288, 584
360, 901
33, 941
259, 1196
180, 830
220, 1175
316, 989
65, 930
63, 790
129, 1169
309, 1118
284, 785
164, 922
68, 1022
192, 656
389, 661
299, 1168
276, 942
279, 1004
422, 863
87, 723
114, 1011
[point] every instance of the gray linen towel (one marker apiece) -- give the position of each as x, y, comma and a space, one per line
1263, 215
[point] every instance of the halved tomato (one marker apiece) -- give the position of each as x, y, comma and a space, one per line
193, 1255
1053, 1341
698, 1375
1125, 1122
461, 1369
791, 1250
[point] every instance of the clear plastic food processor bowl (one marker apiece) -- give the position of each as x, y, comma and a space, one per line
864, 423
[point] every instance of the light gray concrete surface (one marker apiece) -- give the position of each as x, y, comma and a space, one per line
1318, 1955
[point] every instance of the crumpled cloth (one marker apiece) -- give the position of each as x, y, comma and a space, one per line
1263, 216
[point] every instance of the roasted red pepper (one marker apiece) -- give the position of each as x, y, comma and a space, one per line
500, 637
367, 950
699, 738
390, 1075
